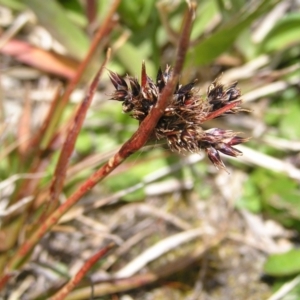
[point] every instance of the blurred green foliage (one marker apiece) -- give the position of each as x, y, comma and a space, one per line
283, 264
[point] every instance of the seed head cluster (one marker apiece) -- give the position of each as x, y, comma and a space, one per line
187, 110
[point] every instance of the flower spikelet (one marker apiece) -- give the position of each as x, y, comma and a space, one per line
182, 122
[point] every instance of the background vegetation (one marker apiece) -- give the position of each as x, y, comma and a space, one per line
201, 233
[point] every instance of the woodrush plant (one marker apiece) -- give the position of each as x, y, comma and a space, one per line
182, 119
165, 110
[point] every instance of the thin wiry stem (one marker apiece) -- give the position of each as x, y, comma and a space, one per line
138, 140
140, 280
45, 138
64, 291
59, 175
103, 30
69, 144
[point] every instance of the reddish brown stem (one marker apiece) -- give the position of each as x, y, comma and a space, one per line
222, 110
51, 117
91, 10
64, 291
140, 280
138, 139
102, 32
4, 279
69, 144
28, 186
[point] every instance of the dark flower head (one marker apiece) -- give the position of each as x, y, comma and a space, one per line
181, 124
